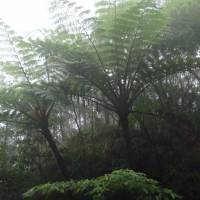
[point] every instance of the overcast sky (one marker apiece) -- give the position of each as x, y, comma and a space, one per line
26, 15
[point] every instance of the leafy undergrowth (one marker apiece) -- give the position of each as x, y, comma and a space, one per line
119, 185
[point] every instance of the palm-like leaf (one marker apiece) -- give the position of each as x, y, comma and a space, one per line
110, 53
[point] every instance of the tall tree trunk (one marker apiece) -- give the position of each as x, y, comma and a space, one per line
127, 138
107, 117
158, 159
60, 162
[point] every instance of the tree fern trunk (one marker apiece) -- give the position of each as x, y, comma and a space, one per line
60, 162
127, 138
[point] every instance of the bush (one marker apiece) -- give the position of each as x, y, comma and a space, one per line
119, 185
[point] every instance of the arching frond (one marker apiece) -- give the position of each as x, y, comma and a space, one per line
111, 52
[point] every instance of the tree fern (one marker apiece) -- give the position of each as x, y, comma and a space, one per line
121, 32
112, 51
29, 96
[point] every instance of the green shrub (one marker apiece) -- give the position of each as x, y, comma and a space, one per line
119, 185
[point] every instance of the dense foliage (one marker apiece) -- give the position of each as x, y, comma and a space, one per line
120, 184
116, 88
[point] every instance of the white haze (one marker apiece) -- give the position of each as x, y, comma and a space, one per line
27, 15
